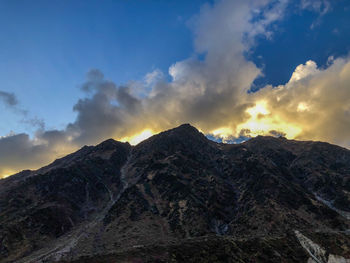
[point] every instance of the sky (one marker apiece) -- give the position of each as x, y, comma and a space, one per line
75, 73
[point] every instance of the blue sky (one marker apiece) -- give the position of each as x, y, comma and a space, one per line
295, 41
47, 47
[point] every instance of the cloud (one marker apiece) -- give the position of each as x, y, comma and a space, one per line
304, 71
8, 98
315, 100
153, 77
93, 78
321, 7
18, 151
11, 102
208, 90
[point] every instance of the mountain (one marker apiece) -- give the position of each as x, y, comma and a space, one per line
179, 197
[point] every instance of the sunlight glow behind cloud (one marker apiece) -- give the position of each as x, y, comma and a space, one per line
262, 122
137, 138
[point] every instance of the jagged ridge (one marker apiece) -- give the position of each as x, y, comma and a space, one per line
179, 196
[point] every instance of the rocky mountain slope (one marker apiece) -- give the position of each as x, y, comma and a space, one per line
179, 197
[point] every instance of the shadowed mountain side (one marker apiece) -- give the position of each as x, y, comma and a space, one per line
179, 197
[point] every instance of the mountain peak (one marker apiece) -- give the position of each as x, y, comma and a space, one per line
183, 130
110, 144
185, 126
183, 134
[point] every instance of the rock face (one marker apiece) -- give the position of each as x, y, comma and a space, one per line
179, 197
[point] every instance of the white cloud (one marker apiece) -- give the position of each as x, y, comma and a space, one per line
152, 77
304, 70
320, 6
315, 100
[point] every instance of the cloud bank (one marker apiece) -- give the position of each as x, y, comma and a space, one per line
210, 91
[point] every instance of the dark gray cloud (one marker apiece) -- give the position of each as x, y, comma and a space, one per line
17, 152
93, 78
103, 114
8, 98
97, 118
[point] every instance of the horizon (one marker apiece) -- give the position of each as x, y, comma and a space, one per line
80, 72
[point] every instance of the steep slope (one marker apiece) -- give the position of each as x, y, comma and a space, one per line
179, 197
40, 206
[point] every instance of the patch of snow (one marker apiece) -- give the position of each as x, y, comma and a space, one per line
316, 252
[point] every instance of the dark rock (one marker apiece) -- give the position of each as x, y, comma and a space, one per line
179, 197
